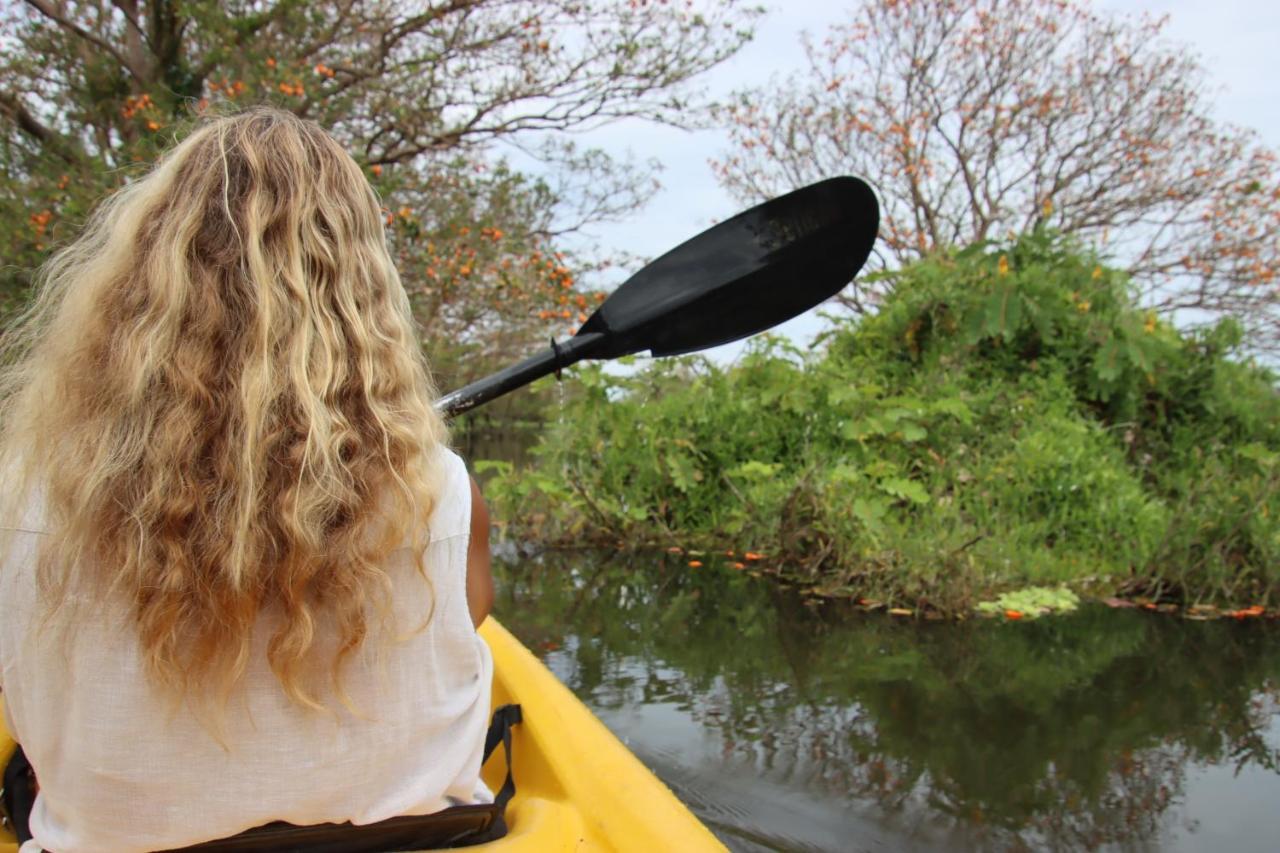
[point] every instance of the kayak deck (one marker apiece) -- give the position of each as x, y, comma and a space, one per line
577, 786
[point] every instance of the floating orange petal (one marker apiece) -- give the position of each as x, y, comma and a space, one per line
1013, 614
695, 564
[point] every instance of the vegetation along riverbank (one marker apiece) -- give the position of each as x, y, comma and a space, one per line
1008, 418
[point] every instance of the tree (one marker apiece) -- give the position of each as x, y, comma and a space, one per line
423, 94
978, 118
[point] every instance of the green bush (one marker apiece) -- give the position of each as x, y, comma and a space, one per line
1007, 417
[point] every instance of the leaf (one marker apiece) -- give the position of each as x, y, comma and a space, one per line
953, 406
483, 465
1259, 453
1002, 313
900, 487
865, 428
755, 470
912, 432
869, 511
1106, 364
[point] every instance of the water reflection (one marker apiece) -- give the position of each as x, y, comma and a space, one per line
787, 726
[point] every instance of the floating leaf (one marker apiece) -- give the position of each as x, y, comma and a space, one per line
1032, 602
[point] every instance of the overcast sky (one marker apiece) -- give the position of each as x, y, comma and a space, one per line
1236, 41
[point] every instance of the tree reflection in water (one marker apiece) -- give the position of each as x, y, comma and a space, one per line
1070, 732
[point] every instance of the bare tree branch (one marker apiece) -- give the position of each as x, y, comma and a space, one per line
981, 118
44, 8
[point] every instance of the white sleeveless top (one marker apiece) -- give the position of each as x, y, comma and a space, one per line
118, 771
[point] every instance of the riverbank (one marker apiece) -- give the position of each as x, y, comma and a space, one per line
1007, 419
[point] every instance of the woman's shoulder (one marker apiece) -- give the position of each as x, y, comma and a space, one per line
451, 515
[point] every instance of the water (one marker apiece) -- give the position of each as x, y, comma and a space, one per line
787, 726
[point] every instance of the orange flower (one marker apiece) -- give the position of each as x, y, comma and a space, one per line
376, 169
271, 63
1013, 614
1002, 267
153, 125
41, 221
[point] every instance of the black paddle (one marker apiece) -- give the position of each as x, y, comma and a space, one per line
743, 276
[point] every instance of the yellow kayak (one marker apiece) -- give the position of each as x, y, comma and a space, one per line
577, 786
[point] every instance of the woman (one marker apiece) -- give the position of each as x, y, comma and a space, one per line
242, 574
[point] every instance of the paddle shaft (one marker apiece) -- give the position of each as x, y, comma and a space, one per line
552, 360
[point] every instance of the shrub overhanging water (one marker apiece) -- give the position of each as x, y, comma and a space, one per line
1008, 417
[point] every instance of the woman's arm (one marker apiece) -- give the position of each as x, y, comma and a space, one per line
479, 576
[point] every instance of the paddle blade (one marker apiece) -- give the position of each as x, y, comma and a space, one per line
744, 275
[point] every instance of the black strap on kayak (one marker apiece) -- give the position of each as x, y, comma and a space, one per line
500, 731
459, 826
18, 795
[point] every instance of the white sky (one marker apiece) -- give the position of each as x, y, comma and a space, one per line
1236, 41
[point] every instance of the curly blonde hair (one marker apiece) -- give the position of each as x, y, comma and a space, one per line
219, 399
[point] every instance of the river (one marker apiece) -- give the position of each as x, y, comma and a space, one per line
792, 725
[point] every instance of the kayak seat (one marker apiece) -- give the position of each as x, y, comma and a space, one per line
459, 826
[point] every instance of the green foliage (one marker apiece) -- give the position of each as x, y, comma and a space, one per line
1008, 418
1033, 601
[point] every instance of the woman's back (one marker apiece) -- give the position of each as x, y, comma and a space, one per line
122, 769
237, 589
